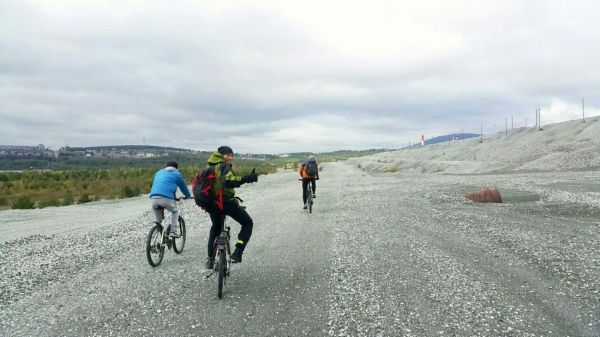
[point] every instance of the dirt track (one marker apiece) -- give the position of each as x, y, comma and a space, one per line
383, 254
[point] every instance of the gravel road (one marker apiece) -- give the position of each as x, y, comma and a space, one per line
382, 254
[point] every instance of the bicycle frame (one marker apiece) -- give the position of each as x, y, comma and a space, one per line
166, 241
223, 240
222, 246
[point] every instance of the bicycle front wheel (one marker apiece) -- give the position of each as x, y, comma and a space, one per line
222, 270
179, 242
154, 248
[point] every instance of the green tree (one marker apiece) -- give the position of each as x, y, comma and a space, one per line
23, 203
84, 199
68, 198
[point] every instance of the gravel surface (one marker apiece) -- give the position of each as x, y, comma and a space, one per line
382, 254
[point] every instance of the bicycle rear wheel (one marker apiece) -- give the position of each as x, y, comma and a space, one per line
154, 248
179, 242
222, 270
310, 201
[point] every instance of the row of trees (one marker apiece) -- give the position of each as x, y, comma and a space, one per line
83, 180
32, 189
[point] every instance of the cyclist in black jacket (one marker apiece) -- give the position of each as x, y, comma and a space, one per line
231, 206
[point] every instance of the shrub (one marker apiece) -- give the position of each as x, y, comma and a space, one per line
49, 202
129, 192
84, 199
68, 198
23, 203
3, 201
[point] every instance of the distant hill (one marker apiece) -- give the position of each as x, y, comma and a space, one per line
564, 146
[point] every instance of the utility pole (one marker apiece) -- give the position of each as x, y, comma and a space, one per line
540, 118
481, 134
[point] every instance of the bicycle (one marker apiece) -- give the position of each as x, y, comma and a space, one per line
309, 196
158, 240
222, 255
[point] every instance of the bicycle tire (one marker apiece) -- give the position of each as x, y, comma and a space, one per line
222, 269
154, 248
179, 243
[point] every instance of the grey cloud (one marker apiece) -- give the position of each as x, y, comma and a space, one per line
181, 73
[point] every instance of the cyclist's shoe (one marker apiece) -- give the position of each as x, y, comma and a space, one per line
236, 257
210, 263
174, 233
314, 196
305, 206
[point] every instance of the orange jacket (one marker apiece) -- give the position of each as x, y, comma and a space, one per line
303, 171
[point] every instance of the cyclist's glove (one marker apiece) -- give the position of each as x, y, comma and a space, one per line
252, 177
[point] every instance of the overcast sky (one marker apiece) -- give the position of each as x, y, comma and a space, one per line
282, 76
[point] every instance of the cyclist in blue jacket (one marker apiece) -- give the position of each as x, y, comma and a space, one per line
163, 191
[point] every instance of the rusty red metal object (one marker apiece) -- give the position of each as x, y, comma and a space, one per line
489, 194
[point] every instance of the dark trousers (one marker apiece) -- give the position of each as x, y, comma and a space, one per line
305, 182
236, 213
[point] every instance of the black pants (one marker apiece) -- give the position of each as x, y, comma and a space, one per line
236, 213
305, 182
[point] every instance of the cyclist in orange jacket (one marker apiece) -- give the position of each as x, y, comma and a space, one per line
309, 171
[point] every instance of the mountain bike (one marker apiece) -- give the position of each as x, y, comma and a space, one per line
158, 240
309, 195
222, 255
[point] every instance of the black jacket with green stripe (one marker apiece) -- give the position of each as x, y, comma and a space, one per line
224, 177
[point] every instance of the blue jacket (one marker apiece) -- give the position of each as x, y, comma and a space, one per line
166, 181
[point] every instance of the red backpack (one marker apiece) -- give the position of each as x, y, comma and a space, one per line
203, 191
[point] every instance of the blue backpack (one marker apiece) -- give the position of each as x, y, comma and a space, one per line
311, 168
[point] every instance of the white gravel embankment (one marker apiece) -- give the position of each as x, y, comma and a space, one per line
384, 253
